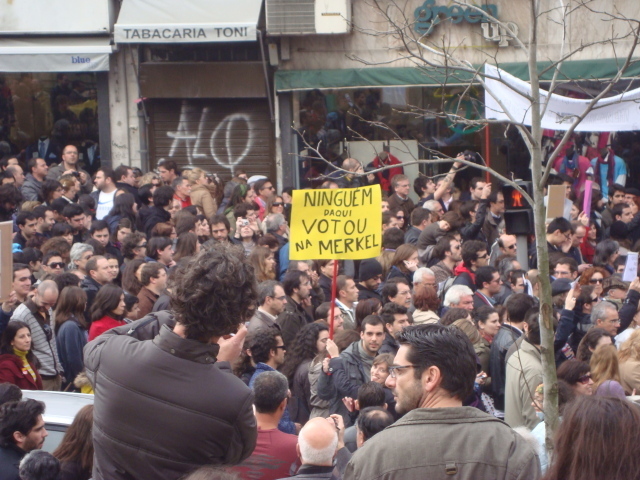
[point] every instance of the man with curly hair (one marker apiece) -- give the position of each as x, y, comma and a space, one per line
166, 401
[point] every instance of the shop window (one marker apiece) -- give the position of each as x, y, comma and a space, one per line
40, 113
333, 119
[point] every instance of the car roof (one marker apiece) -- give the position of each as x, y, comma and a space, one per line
61, 407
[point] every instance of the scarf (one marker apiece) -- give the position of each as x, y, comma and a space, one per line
462, 269
25, 363
364, 358
610, 161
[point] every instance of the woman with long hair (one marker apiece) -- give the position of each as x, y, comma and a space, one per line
629, 363
264, 263
426, 301
404, 263
75, 452
605, 372
370, 306
487, 322
107, 310
130, 277
51, 190
310, 342
577, 375
275, 205
594, 276
18, 364
203, 193
186, 246
598, 438
71, 331
203, 229
124, 206
592, 340
124, 228
607, 251
589, 242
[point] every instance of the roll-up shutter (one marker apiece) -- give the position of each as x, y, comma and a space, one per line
218, 135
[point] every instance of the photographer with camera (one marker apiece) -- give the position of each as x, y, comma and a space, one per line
69, 165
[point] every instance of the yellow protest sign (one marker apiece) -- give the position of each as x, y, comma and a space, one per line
341, 224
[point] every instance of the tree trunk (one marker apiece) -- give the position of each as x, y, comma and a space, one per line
549, 376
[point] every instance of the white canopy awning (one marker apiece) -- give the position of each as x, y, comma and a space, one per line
54, 54
187, 21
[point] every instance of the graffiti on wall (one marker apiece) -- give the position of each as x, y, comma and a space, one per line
227, 142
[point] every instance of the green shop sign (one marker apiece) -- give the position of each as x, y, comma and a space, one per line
428, 15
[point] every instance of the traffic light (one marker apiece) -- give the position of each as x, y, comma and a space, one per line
518, 215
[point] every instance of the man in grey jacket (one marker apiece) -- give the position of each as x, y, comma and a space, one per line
31, 189
433, 373
36, 313
166, 401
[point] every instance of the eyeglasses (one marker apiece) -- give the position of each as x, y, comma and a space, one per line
400, 217
593, 281
282, 298
277, 204
512, 247
143, 245
392, 370
483, 256
56, 265
585, 378
283, 347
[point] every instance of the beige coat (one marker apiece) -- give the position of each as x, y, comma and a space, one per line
460, 443
425, 316
630, 375
202, 196
524, 374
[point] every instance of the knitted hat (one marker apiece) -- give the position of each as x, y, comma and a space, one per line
369, 268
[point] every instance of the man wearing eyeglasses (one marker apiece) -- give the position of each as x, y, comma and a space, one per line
400, 198
36, 313
265, 192
433, 373
605, 315
272, 300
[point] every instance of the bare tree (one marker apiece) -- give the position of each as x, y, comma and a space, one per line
614, 25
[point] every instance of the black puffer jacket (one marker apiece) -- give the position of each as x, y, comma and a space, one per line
163, 405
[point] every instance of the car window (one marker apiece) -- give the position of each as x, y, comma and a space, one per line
56, 433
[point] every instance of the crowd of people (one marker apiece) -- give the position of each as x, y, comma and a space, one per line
171, 298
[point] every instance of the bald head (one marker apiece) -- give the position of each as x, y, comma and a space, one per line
351, 164
317, 441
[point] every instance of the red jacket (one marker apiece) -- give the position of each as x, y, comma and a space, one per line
385, 176
98, 327
12, 371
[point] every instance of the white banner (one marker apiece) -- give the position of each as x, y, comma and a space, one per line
86, 62
612, 114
